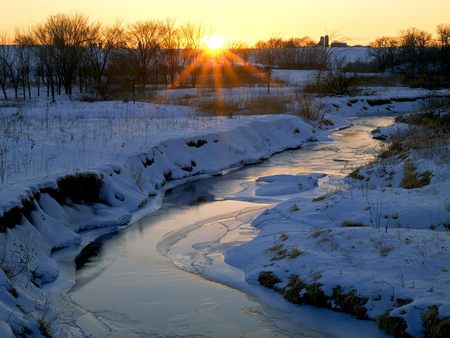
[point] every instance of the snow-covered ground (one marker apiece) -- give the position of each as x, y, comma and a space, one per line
72, 171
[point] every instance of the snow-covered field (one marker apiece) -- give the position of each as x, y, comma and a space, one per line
72, 171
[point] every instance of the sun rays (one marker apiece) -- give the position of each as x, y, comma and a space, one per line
216, 67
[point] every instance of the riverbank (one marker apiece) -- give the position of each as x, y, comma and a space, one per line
376, 247
45, 217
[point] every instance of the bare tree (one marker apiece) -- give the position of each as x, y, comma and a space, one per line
443, 31
384, 51
63, 39
98, 54
336, 80
239, 51
5, 57
143, 43
266, 55
413, 42
25, 50
191, 37
170, 53
9, 66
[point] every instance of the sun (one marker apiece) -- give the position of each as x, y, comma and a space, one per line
214, 44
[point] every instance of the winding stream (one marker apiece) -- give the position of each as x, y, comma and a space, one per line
134, 285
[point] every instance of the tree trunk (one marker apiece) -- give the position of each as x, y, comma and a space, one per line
4, 93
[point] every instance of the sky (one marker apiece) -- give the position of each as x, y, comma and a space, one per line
356, 21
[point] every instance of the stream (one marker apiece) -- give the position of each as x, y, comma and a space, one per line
144, 281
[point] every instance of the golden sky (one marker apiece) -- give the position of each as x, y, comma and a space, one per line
357, 21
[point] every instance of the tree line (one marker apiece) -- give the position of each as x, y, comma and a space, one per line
66, 51
414, 51
69, 50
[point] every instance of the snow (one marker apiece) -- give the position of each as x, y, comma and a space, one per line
139, 150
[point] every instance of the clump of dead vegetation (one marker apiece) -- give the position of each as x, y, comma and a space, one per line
412, 179
307, 106
250, 105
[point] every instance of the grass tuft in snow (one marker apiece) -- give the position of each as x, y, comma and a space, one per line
355, 174
44, 328
412, 179
435, 327
294, 207
247, 105
395, 326
283, 236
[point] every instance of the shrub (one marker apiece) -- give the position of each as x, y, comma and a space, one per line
337, 80
283, 236
315, 296
268, 279
350, 302
279, 251
307, 106
292, 291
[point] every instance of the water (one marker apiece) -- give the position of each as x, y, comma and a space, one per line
135, 291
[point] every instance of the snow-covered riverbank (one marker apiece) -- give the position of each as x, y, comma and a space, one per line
47, 215
376, 247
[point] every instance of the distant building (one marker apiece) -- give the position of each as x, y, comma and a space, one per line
339, 44
324, 41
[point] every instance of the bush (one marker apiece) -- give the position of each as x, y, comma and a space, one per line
268, 279
350, 302
307, 106
337, 80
